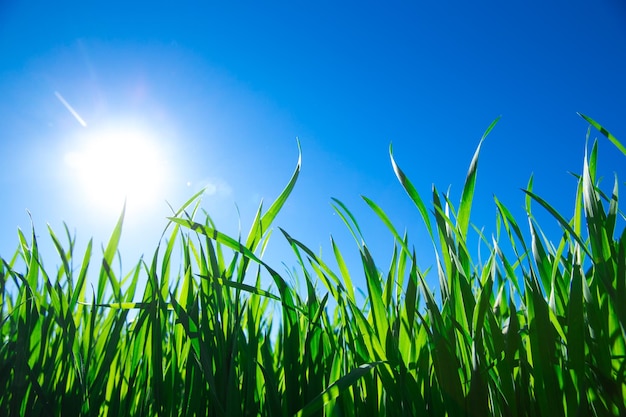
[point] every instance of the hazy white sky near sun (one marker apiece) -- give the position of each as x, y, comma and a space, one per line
98, 102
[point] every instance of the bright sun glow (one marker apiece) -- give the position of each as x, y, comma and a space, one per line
117, 164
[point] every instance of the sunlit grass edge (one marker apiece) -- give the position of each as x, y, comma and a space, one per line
538, 332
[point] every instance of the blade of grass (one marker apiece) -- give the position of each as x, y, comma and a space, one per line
467, 196
411, 191
605, 132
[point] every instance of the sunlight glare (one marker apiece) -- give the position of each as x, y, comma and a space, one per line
117, 164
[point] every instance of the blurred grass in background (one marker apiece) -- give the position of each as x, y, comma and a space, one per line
541, 332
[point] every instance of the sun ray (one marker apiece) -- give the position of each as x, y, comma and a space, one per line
70, 109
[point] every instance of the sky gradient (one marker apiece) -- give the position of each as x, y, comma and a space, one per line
222, 91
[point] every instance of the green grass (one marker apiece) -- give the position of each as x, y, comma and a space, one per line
539, 332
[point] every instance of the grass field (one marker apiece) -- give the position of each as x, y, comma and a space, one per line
540, 332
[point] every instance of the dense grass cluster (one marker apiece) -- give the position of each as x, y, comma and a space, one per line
539, 332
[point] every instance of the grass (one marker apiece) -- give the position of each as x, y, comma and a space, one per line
539, 332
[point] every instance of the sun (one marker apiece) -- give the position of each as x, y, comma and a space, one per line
116, 165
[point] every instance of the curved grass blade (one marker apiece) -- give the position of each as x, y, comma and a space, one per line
353, 225
260, 226
383, 216
467, 196
564, 223
605, 132
62, 253
411, 191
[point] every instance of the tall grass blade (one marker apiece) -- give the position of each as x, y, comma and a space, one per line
605, 132
465, 206
261, 226
106, 272
411, 191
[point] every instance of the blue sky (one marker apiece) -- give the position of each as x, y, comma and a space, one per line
220, 92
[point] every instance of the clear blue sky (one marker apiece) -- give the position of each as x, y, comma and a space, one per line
222, 90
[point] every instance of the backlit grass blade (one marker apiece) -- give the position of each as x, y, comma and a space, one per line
385, 219
343, 269
528, 199
79, 290
605, 132
336, 286
256, 232
620, 287
540, 256
467, 196
611, 216
375, 295
260, 226
596, 218
446, 239
564, 223
33, 261
23, 250
411, 294
175, 213
106, 272
64, 256
411, 191
349, 220
510, 223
